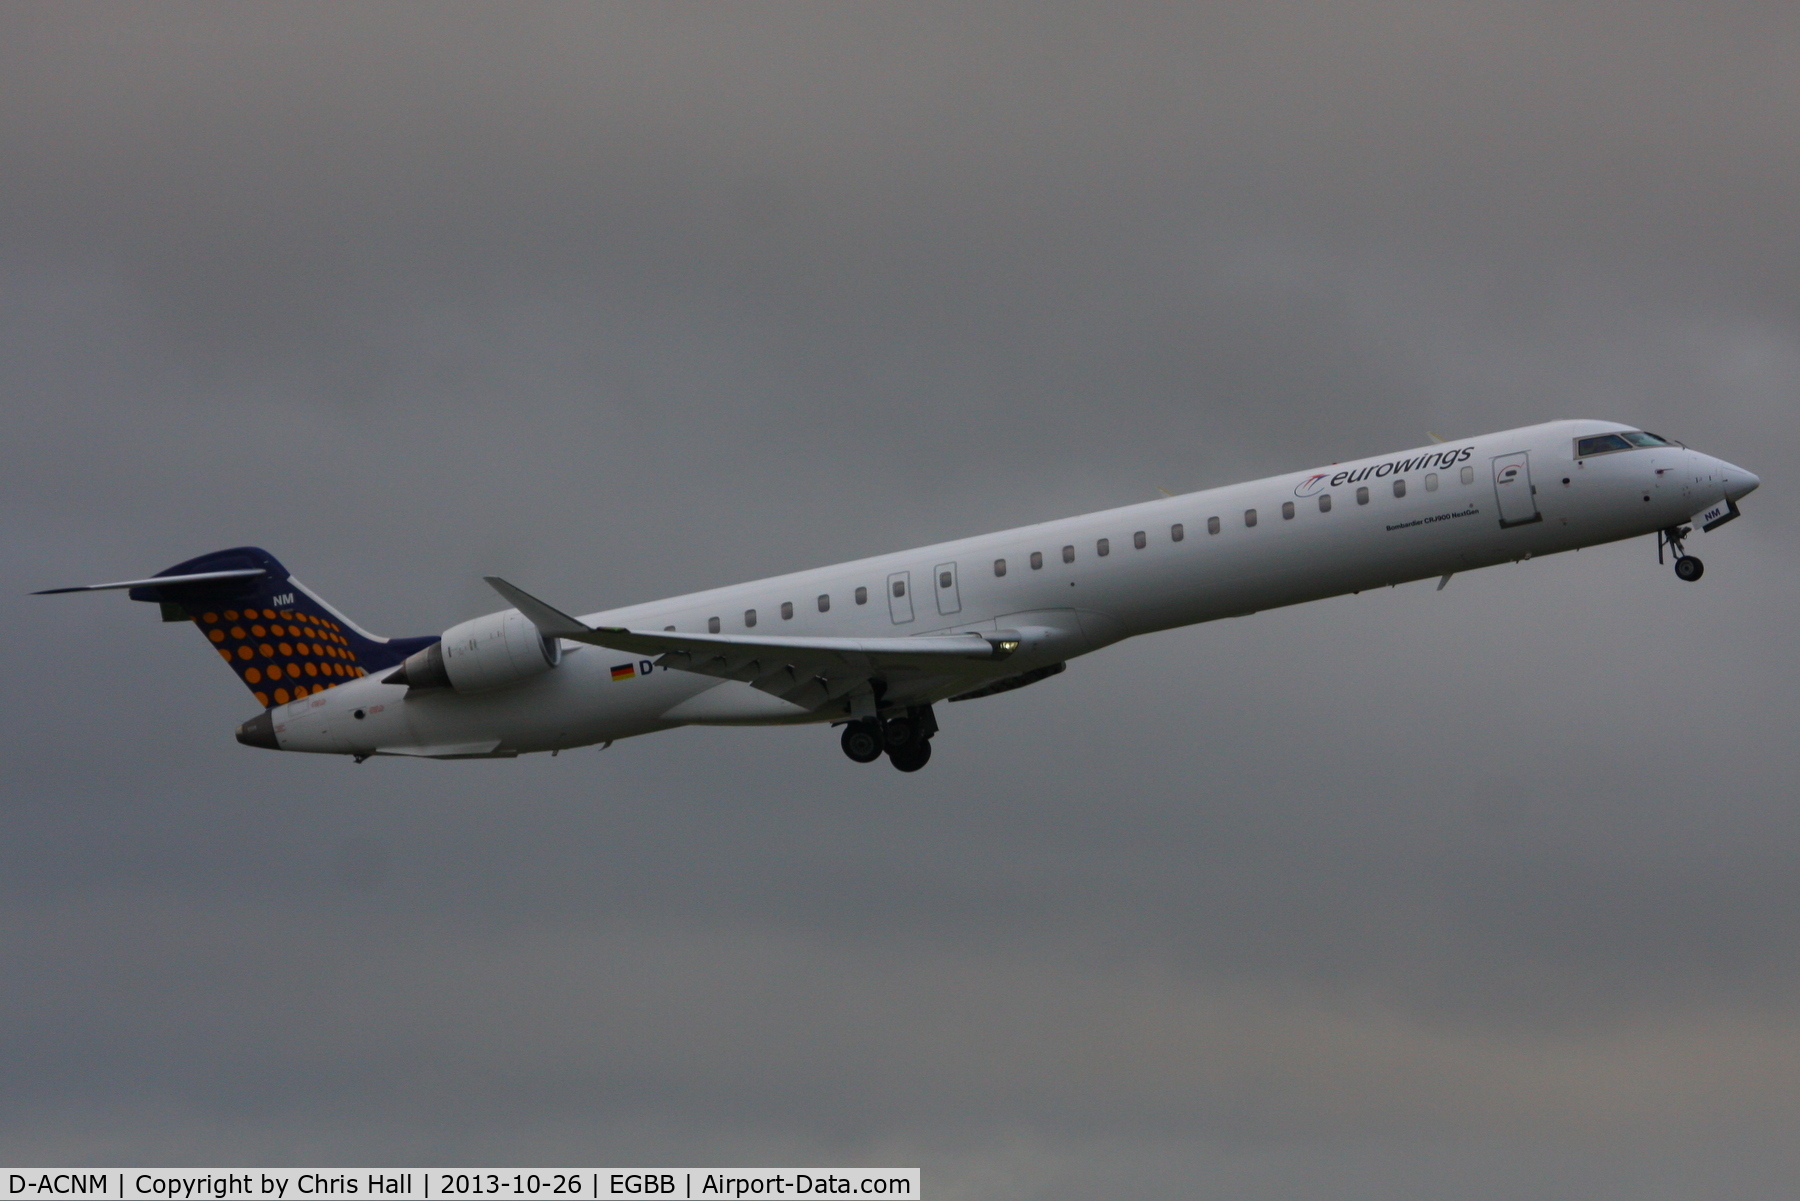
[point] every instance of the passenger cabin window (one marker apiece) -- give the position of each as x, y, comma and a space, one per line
712, 625
1468, 475
1139, 540
1212, 525
899, 587
749, 617
862, 596
1600, 444
787, 610
669, 629
944, 578
1176, 533
1324, 502
1249, 516
1068, 554
1431, 482
824, 603
999, 566
1399, 487
1362, 496
1287, 510
1103, 548
1037, 560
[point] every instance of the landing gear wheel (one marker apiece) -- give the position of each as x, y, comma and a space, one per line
912, 756
898, 733
862, 741
1689, 568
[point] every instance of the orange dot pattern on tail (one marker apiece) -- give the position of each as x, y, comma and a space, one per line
277, 636
285, 644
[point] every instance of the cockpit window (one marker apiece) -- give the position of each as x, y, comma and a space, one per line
1599, 445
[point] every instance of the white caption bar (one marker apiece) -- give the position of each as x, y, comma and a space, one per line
452, 1184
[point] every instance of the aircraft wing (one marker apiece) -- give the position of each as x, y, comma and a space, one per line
809, 672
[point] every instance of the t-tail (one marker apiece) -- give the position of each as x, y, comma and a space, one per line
280, 638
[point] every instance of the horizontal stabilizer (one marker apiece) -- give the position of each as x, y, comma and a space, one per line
281, 639
162, 581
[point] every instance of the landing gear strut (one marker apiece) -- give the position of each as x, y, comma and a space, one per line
905, 738
1687, 567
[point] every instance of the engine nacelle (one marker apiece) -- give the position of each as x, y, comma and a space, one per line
488, 652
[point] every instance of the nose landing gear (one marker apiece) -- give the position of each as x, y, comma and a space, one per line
1687, 567
905, 739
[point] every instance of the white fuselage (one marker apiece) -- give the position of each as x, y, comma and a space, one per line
1057, 582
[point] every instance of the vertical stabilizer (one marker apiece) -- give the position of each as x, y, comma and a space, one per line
281, 640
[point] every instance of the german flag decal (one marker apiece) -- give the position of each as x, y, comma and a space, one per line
624, 671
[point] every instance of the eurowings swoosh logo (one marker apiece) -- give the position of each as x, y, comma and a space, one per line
1309, 485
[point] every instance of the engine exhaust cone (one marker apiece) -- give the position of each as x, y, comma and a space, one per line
421, 669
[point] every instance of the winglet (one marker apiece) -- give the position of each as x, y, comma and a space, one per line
551, 622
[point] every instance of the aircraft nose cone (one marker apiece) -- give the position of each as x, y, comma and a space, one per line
1741, 483
259, 731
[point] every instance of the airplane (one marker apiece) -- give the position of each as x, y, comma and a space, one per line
872, 646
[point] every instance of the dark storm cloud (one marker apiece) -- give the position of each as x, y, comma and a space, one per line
629, 302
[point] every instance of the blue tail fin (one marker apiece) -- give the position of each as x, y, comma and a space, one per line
281, 639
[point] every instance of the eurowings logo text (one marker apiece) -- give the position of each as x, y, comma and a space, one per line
1437, 458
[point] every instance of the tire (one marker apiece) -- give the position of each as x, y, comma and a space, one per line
913, 756
1689, 568
898, 733
861, 742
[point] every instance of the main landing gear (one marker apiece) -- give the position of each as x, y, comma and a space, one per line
862, 741
904, 738
1687, 567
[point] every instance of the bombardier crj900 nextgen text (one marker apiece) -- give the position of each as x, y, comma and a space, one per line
872, 645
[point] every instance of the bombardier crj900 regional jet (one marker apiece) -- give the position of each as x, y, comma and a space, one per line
873, 645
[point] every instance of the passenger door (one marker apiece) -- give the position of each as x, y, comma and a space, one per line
949, 598
1513, 491
900, 597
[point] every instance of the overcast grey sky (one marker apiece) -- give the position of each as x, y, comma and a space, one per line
1482, 893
